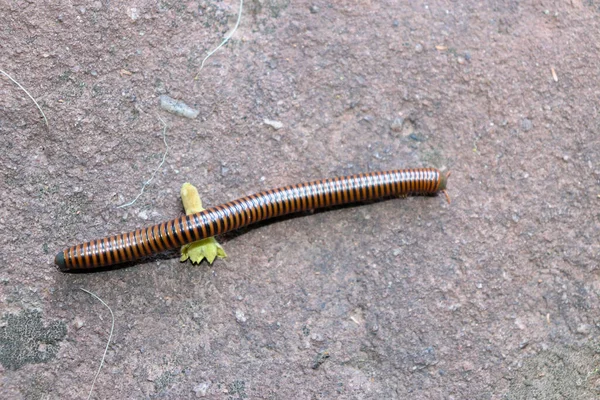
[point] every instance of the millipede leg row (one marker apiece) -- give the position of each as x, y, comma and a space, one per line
216, 220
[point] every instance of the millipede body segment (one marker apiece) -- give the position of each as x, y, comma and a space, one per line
238, 213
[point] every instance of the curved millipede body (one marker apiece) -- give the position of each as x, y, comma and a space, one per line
216, 220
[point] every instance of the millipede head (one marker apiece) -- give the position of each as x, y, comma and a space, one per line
443, 181
59, 260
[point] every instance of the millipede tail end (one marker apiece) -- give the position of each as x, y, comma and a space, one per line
59, 260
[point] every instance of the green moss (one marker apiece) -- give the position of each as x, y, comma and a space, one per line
166, 379
25, 340
237, 390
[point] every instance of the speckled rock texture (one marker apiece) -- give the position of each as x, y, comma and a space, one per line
494, 296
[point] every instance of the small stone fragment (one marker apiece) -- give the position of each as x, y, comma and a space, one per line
177, 107
133, 13
317, 337
240, 316
402, 127
396, 125
526, 125
418, 48
78, 323
584, 329
273, 124
201, 389
314, 9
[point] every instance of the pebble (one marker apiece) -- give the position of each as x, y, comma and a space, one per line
584, 329
240, 316
133, 13
314, 9
317, 337
143, 215
396, 125
277, 125
526, 125
177, 107
460, 60
418, 48
404, 127
78, 323
224, 170
201, 389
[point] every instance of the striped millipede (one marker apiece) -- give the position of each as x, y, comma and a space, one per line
217, 220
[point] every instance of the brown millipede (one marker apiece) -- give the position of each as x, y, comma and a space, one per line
216, 220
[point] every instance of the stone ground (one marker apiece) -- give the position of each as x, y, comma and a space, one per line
495, 296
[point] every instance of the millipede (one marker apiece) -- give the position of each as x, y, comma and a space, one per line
134, 245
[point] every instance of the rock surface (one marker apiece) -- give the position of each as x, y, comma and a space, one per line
495, 296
